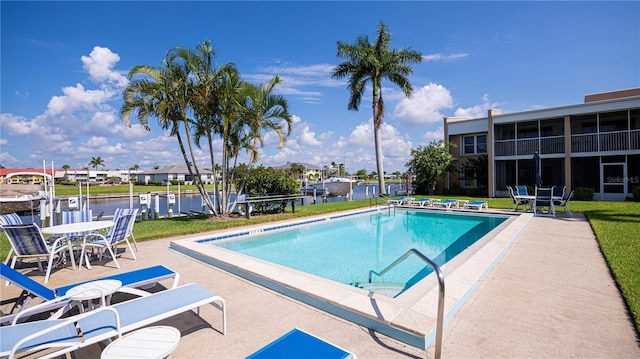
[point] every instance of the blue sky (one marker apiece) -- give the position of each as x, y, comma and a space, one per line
64, 65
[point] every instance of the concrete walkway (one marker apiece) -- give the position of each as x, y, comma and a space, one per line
551, 296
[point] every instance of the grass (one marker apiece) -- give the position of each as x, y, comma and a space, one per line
615, 224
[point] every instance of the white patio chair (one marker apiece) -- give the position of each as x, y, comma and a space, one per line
121, 211
119, 233
544, 202
27, 241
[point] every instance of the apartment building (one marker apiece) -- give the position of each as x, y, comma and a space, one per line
595, 144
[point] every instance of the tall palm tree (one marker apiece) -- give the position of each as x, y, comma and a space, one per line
366, 62
96, 161
263, 110
162, 92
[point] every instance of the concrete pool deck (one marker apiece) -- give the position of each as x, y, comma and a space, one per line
550, 296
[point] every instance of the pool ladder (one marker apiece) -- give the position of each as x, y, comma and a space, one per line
436, 268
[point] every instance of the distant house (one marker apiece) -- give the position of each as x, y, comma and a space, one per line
311, 172
94, 176
173, 172
24, 175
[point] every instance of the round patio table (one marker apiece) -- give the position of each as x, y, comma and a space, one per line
151, 342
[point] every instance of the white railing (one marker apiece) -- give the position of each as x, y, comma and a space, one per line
634, 140
506, 148
550, 145
527, 146
590, 142
614, 141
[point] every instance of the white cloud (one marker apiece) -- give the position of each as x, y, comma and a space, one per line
441, 57
434, 135
308, 138
477, 111
424, 106
77, 98
100, 63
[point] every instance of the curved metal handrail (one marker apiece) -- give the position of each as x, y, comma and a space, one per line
436, 268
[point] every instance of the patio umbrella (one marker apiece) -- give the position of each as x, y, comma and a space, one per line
537, 181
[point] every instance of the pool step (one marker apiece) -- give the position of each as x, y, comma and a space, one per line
388, 289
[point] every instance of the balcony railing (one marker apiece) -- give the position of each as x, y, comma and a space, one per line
608, 141
528, 146
590, 142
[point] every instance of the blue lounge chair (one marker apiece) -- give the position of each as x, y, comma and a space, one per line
447, 203
477, 205
400, 201
421, 202
300, 344
31, 289
60, 336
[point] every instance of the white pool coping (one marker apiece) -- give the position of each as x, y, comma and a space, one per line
411, 317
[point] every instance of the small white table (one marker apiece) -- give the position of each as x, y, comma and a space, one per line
151, 342
78, 227
64, 229
93, 290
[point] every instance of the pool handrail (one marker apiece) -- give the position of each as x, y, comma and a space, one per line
436, 268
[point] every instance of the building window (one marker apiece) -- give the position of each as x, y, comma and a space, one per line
472, 145
583, 124
528, 129
505, 132
613, 121
468, 177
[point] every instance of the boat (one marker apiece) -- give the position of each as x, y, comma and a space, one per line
333, 186
16, 198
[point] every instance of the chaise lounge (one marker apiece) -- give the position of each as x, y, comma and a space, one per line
32, 289
477, 205
300, 344
60, 336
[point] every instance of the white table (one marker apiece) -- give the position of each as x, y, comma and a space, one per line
93, 290
63, 229
78, 227
151, 342
533, 200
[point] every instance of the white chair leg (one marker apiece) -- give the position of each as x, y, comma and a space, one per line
50, 264
131, 250
113, 256
135, 244
73, 260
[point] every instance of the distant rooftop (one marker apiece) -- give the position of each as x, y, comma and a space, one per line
612, 94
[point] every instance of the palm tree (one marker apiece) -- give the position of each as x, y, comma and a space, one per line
366, 62
163, 93
95, 162
263, 110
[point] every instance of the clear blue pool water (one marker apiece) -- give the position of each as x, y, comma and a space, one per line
345, 250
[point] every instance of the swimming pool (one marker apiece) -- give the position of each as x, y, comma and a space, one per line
409, 317
346, 249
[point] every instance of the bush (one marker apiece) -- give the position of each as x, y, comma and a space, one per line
269, 181
151, 183
583, 194
636, 194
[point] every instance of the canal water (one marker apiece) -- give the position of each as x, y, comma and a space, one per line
188, 202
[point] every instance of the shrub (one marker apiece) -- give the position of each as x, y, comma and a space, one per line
269, 181
636, 194
583, 194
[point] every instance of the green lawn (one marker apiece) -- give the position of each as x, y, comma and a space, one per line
616, 225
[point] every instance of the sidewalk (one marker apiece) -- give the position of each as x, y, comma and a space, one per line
551, 296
